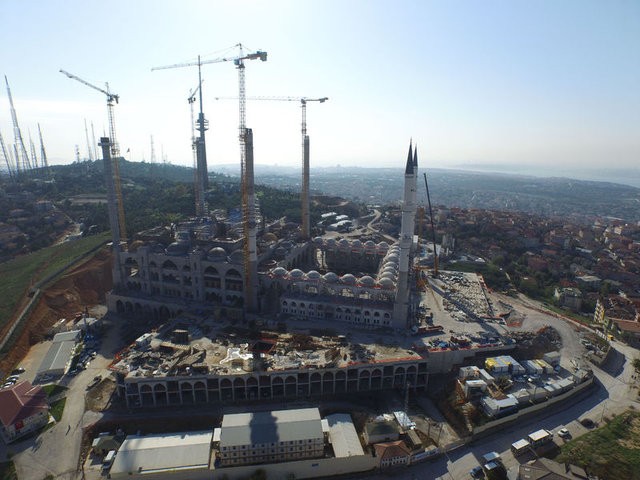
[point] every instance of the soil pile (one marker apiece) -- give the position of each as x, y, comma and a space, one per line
82, 287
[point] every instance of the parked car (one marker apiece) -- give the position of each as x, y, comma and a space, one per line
17, 371
476, 472
564, 433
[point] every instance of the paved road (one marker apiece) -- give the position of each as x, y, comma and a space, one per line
56, 451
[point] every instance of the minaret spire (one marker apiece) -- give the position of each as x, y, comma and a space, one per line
409, 169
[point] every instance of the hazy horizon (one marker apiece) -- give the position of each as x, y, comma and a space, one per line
550, 85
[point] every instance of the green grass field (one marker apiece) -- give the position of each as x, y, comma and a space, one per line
610, 452
57, 408
21, 273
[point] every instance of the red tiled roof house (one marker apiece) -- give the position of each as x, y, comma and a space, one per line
23, 409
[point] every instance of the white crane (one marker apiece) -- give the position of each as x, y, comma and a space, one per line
306, 227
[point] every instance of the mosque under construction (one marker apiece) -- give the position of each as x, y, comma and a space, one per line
198, 271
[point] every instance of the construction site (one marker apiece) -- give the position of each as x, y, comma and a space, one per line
254, 308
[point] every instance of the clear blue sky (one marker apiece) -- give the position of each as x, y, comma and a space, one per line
549, 85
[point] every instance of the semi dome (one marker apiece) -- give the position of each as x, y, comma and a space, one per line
367, 281
279, 272
318, 241
177, 248
331, 243
356, 246
344, 244
236, 256
330, 277
313, 275
348, 279
217, 254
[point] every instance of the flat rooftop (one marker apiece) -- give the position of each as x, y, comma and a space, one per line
163, 452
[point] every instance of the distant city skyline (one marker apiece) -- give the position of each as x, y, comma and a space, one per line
546, 88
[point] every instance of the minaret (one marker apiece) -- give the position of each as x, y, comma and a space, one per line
251, 283
401, 305
112, 210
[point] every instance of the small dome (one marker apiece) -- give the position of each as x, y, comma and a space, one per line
313, 275
318, 241
279, 272
217, 254
296, 274
389, 275
330, 277
348, 279
369, 246
331, 243
367, 281
356, 246
270, 237
287, 244
383, 245
392, 258
344, 244
386, 283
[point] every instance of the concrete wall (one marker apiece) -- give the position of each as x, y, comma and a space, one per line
488, 428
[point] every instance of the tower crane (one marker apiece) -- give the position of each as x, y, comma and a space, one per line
199, 187
246, 168
306, 228
115, 148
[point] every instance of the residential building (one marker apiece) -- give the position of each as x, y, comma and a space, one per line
390, 454
23, 410
268, 437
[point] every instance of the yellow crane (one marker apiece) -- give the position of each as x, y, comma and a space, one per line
112, 99
248, 201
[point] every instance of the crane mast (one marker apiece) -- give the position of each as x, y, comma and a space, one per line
115, 148
433, 229
86, 133
32, 149
7, 158
43, 153
22, 157
198, 187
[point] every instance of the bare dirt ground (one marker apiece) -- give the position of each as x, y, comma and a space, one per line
83, 287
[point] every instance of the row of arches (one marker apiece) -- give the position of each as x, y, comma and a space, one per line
309, 310
267, 387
